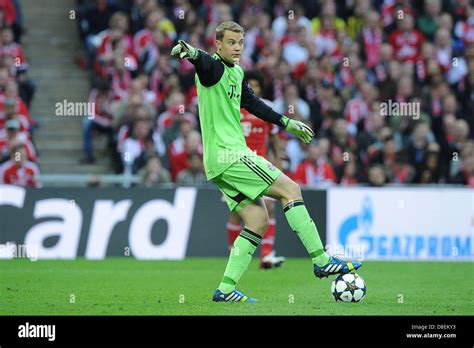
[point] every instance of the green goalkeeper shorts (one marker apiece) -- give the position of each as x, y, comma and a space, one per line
245, 180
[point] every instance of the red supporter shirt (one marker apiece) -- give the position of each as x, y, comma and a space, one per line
26, 175
22, 138
9, 11
141, 39
406, 46
105, 47
178, 154
309, 174
15, 51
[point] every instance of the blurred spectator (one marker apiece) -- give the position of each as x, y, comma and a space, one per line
194, 174
428, 22
329, 63
94, 19
9, 47
341, 145
356, 22
454, 67
296, 152
406, 40
144, 37
376, 176
370, 40
358, 108
291, 104
11, 15
466, 175
11, 137
178, 151
297, 19
418, 147
349, 173
175, 113
138, 145
315, 169
138, 10
11, 91
430, 173
11, 113
101, 120
18, 170
328, 14
403, 172
115, 43
154, 174
464, 28
296, 51
129, 109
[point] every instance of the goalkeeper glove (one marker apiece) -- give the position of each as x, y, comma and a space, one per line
184, 50
298, 128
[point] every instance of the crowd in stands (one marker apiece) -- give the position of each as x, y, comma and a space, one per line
387, 85
17, 150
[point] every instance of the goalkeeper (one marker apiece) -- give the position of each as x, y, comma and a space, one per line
241, 175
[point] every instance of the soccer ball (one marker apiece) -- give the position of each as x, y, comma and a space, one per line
348, 288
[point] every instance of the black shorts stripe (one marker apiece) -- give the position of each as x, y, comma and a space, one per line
259, 174
238, 198
258, 168
259, 171
252, 165
292, 205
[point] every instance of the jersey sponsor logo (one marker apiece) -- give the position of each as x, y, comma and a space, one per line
247, 128
232, 93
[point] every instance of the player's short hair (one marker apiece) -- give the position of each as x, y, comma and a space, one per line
255, 75
232, 26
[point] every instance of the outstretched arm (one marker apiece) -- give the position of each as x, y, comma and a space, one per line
256, 106
209, 70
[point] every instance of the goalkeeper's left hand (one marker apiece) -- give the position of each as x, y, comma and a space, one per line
298, 128
184, 50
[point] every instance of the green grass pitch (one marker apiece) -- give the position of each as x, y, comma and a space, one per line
125, 286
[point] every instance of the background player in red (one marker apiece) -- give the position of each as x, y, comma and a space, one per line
261, 137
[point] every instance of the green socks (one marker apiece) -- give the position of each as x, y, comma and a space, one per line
239, 259
304, 227
248, 241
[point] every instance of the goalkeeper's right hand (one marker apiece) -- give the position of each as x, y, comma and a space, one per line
184, 50
298, 128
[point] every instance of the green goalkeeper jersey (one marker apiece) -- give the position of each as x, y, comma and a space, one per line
219, 112
222, 91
